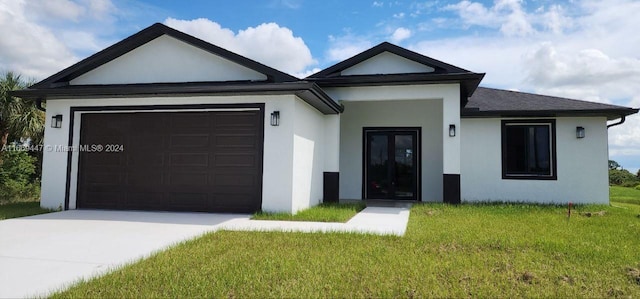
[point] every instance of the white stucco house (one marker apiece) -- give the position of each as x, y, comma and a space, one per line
165, 121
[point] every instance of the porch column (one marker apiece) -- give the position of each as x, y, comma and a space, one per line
331, 175
451, 146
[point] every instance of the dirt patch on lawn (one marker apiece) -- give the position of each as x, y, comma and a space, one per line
590, 214
634, 274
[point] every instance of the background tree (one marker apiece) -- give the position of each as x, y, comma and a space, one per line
613, 165
19, 118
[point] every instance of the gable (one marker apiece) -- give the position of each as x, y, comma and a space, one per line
387, 63
166, 59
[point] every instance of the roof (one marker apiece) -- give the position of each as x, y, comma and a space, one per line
443, 72
57, 85
145, 36
490, 102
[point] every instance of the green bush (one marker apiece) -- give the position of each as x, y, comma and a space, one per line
637, 187
16, 176
622, 177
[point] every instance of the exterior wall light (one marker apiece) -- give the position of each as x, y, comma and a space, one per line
452, 130
275, 118
56, 121
580, 132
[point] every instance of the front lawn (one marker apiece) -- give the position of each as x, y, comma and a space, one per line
624, 194
448, 251
325, 212
21, 209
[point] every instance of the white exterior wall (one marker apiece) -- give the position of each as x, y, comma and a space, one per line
581, 164
308, 156
166, 59
279, 144
431, 107
387, 63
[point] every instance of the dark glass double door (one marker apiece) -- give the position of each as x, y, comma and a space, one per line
392, 164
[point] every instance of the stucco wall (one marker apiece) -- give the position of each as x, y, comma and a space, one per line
418, 113
581, 164
432, 107
387, 63
279, 141
308, 156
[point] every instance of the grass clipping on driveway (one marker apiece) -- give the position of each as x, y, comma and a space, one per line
448, 251
325, 212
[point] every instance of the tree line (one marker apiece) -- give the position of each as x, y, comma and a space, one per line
21, 123
622, 177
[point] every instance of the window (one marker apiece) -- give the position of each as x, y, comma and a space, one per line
529, 149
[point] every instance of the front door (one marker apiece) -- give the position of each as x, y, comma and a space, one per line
391, 163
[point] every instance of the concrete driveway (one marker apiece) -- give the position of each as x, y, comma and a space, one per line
42, 253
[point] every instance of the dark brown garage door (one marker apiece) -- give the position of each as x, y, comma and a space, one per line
174, 161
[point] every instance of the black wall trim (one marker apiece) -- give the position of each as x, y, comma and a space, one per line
451, 188
554, 166
150, 108
331, 187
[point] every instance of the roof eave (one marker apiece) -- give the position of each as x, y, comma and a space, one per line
307, 91
611, 114
472, 79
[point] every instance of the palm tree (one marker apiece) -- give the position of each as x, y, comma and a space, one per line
18, 118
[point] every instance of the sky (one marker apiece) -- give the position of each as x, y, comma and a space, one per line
581, 49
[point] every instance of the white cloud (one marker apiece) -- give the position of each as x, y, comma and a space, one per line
507, 15
399, 15
400, 34
343, 47
377, 4
42, 37
267, 43
28, 48
306, 73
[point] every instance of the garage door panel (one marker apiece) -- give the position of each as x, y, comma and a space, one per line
177, 161
190, 140
150, 161
236, 141
143, 200
239, 119
145, 142
189, 159
235, 180
195, 122
102, 199
103, 159
104, 178
188, 179
144, 178
235, 160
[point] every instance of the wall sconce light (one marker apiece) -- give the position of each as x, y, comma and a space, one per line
275, 118
452, 130
56, 121
580, 132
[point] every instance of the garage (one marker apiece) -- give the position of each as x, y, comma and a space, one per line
198, 161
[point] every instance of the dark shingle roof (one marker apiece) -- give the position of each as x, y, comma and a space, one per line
489, 102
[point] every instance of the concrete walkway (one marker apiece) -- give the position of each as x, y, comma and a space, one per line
42, 253
374, 220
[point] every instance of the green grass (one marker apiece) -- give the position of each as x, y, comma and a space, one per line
325, 212
448, 251
21, 209
624, 194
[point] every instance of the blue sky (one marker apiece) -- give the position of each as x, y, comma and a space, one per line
579, 49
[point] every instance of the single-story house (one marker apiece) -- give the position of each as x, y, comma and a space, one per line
165, 121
